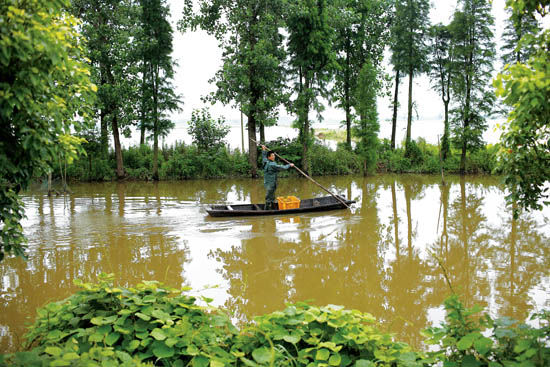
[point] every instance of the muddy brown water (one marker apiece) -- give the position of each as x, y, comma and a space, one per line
378, 257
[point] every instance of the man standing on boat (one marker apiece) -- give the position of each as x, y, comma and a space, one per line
270, 176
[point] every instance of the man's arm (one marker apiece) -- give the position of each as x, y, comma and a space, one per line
280, 167
264, 157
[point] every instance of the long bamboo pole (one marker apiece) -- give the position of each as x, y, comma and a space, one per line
309, 178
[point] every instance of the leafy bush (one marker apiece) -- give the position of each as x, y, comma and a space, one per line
207, 133
156, 324
103, 325
152, 322
324, 161
467, 340
305, 335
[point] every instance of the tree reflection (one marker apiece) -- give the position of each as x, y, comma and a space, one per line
406, 280
468, 242
326, 264
521, 260
66, 250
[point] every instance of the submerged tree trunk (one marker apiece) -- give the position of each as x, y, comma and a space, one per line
409, 219
394, 118
395, 220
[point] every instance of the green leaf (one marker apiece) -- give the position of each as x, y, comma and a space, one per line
322, 354
470, 361
112, 338
143, 316
158, 334
163, 351
200, 361
364, 363
132, 345
192, 350
335, 360
53, 351
292, 338
171, 342
214, 363
261, 355
466, 341
483, 345
97, 320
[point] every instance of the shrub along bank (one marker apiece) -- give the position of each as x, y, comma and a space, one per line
180, 161
151, 324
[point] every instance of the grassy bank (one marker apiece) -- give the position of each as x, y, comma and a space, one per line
181, 162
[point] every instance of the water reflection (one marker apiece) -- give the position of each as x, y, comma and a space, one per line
379, 257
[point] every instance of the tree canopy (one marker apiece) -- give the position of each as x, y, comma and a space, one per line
45, 95
524, 157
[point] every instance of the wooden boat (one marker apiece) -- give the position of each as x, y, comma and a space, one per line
306, 205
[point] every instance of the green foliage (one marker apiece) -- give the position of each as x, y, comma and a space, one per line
109, 27
151, 322
473, 55
252, 75
408, 44
362, 31
105, 325
441, 72
207, 134
305, 335
525, 144
312, 61
324, 161
518, 25
341, 161
157, 92
367, 127
424, 158
466, 339
68, 354
45, 95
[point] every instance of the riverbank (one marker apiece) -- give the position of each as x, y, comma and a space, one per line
180, 161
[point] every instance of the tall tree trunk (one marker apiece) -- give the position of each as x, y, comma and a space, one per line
155, 125
118, 147
445, 140
104, 123
409, 113
347, 96
104, 139
262, 133
466, 126
305, 129
252, 148
143, 105
394, 118
254, 98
